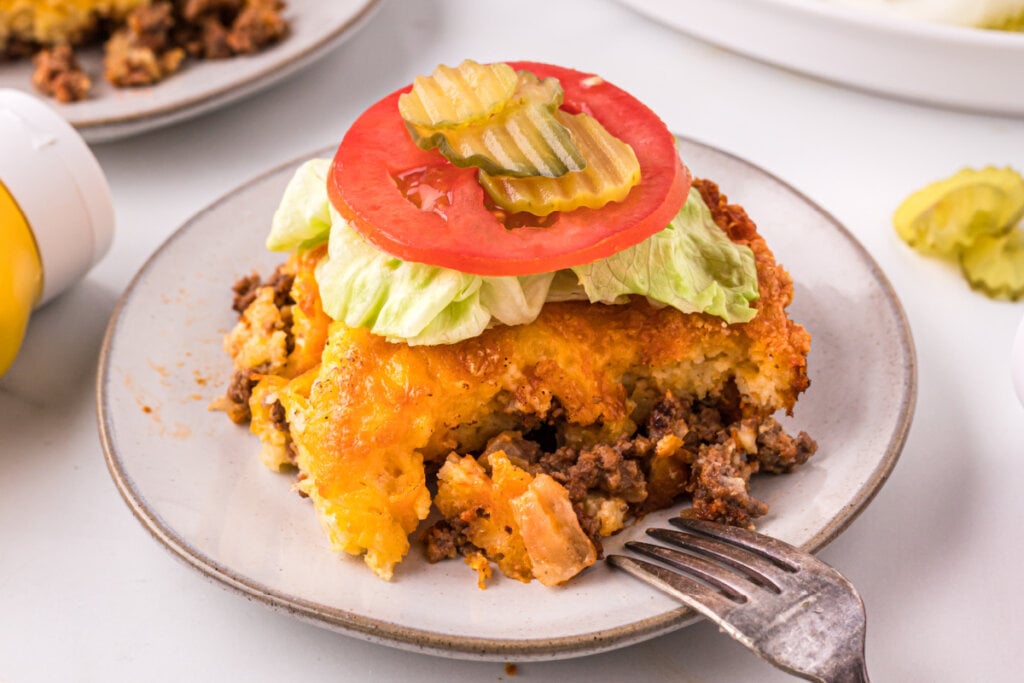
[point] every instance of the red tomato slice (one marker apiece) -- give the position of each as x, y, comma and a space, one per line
419, 207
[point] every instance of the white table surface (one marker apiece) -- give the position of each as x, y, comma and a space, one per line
86, 594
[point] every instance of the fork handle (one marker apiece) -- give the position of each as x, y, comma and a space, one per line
856, 672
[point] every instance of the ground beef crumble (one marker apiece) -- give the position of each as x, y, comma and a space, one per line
59, 75
702, 450
239, 390
142, 52
154, 42
685, 448
257, 25
778, 452
246, 287
445, 540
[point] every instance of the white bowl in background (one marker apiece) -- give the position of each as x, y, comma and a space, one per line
952, 66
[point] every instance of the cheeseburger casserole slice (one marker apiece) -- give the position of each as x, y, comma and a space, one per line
540, 421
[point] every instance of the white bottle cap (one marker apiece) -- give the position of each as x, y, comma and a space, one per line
59, 186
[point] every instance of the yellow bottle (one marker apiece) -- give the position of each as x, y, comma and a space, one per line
56, 213
21, 277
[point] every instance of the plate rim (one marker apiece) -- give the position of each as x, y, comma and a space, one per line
469, 647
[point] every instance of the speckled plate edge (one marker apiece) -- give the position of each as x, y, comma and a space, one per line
427, 642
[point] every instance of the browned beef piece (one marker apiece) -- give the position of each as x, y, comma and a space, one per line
213, 39
58, 75
719, 486
150, 26
245, 289
614, 470
282, 284
278, 418
238, 395
195, 10
127, 64
778, 452
257, 26
522, 452
445, 540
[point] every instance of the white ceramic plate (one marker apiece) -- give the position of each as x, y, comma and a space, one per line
950, 66
201, 86
194, 479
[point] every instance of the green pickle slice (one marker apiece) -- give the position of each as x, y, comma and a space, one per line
524, 138
953, 213
1012, 22
456, 96
612, 171
995, 265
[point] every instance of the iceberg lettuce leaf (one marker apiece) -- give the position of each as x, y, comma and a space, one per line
413, 302
302, 218
691, 265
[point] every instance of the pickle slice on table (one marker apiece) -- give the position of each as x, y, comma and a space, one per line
951, 214
995, 265
457, 96
612, 171
524, 138
1011, 22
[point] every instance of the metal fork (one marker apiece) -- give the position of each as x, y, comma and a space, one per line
785, 605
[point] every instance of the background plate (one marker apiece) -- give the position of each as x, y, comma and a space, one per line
950, 66
202, 85
194, 479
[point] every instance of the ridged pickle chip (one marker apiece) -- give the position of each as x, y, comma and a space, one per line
523, 138
612, 171
1014, 22
995, 265
972, 217
457, 96
951, 214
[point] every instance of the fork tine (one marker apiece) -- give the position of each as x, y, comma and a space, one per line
759, 569
691, 593
773, 549
709, 572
